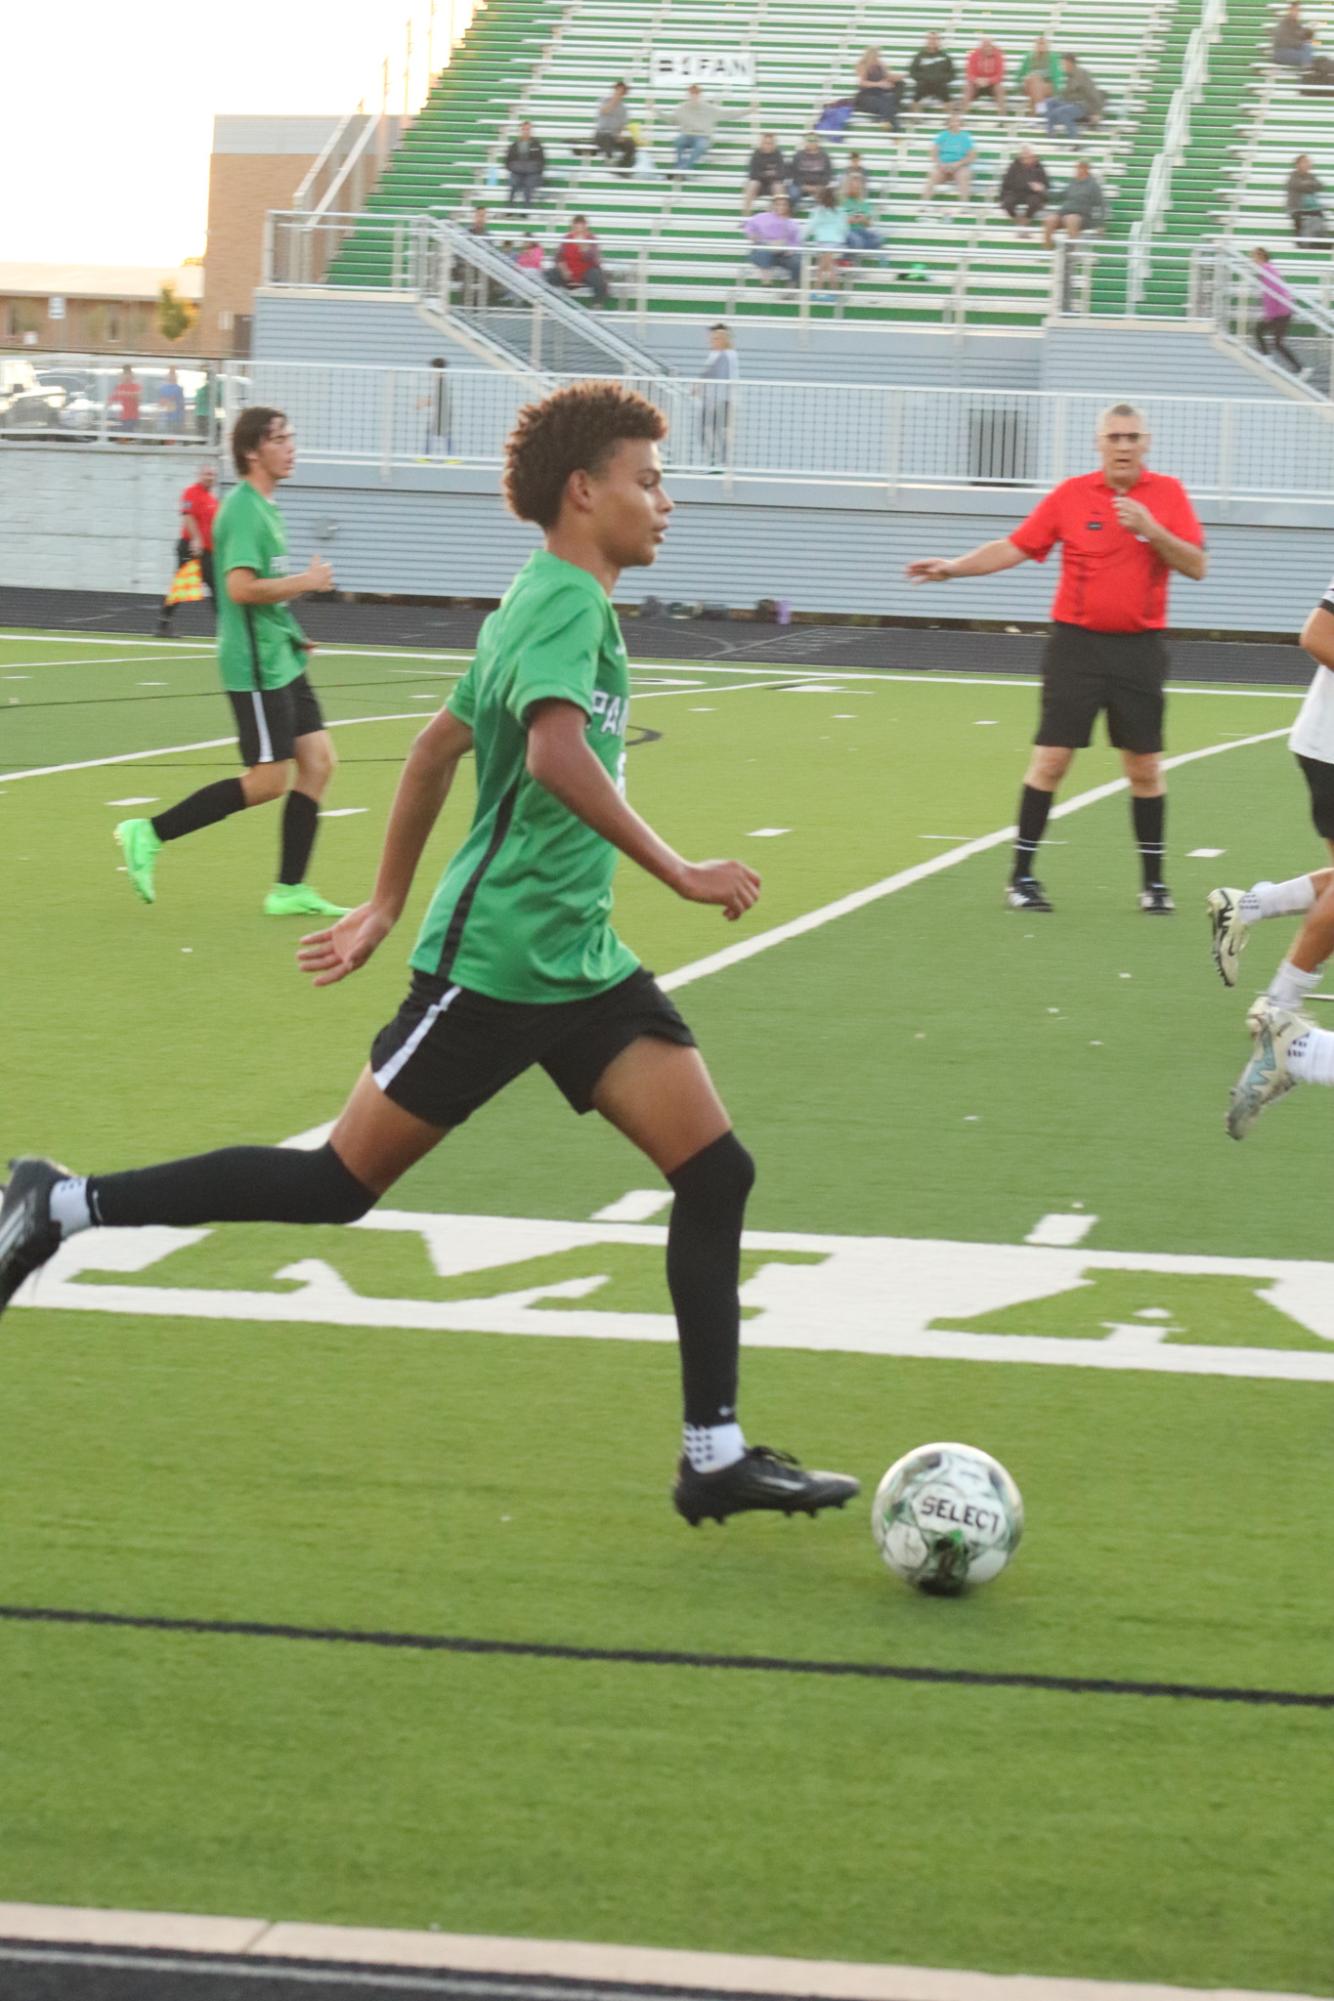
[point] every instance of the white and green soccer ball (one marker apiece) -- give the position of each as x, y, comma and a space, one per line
946, 1516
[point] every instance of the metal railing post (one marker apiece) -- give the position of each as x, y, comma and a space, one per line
641, 285
1059, 430
893, 439
804, 297
1227, 437
387, 427
535, 339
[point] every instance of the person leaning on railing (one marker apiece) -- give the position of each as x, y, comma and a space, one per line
1277, 306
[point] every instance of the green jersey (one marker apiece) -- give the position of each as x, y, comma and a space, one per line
523, 909
259, 645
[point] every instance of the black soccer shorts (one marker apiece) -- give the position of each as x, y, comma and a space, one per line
1085, 673
269, 720
1319, 778
448, 1050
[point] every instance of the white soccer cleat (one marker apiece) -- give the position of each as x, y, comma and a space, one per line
1266, 1077
1228, 932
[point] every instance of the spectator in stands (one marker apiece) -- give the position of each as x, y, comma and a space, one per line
1080, 206
859, 215
952, 156
1039, 75
205, 406
714, 390
879, 91
531, 256
774, 236
696, 120
932, 71
855, 165
124, 400
610, 137
526, 164
1024, 189
766, 174
579, 263
1077, 102
812, 171
984, 75
435, 404
826, 228
171, 406
1277, 307
1303, 200
1294, 40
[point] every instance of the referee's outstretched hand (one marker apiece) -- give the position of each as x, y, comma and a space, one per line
930, 570
329, 956
731, 884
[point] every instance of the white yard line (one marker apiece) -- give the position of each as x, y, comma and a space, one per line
535, 1959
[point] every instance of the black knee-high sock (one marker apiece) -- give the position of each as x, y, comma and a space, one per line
237, 1184
703, 1270
1034, 806
1150, 817
212, 802
301, 817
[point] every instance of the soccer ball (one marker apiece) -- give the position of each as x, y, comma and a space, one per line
945, 1516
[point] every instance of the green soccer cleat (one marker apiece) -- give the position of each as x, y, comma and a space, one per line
1266, 1077
298, 899
141, 848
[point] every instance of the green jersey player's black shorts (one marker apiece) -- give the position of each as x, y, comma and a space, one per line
1085, 673
269, 720
448, 1050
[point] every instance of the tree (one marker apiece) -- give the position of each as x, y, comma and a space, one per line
174, 317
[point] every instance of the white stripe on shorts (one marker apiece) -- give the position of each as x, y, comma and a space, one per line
262, 725
385, 1076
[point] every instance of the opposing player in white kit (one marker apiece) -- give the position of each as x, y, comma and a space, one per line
1289, 1049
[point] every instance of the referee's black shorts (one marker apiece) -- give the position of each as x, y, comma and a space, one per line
269, 720
1085, 673
449, 1050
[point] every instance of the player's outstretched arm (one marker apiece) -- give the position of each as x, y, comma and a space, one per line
984, 561
329, 956
560, 760
247, 587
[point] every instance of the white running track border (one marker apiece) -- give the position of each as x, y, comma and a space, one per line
234, 1940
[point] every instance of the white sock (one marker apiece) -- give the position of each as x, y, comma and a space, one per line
1311, 1057
710, 1447
1290, 986
69, 1206
1277, 899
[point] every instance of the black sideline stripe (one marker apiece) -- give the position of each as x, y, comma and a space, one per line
544, 1650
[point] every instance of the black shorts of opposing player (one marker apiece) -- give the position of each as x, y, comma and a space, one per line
269, 720
1086, 673
1319, 778
448, 1050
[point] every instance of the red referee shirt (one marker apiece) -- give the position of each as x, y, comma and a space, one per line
1111, 580
201, 504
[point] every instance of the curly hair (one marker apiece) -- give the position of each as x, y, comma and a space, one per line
572, 430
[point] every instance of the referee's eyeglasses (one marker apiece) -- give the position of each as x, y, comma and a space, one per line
1123, 437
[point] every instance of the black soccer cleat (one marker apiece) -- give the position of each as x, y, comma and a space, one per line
1025, 892
1155, 900
28, 1237
761, 1480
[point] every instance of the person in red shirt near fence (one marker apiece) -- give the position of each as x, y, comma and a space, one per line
984, 74
1122, 531
199, 505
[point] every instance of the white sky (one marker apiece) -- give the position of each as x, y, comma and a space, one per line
106, 112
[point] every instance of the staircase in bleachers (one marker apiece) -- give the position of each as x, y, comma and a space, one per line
676, 241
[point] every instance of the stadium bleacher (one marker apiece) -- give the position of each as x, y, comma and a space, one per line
1277, 119
677, 243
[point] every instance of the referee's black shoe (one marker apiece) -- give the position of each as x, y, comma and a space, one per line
1025, 892
27, 1234
762, 1479
1155, 900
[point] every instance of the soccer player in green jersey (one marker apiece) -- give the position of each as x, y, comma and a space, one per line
516, 962
262, 655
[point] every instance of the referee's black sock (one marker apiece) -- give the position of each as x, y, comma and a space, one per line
237, 1184
301, 817
703, 1270
1034, 806
1149, 817
212, 802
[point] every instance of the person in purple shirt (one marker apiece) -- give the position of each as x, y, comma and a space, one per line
775, 233
1277, 307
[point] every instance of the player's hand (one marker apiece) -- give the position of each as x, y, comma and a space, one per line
731, 884
1135, 517
319, 575
329, 956
930, 570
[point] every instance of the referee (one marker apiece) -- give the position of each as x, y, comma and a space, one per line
1121, 530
